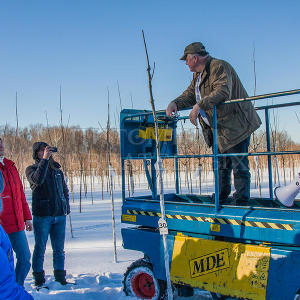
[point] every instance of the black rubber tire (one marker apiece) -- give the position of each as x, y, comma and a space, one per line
142, 266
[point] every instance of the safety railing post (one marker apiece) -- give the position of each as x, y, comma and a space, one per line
269, 155
123, 178
215, 158
176, 175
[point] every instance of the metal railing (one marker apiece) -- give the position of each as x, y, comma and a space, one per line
215, 155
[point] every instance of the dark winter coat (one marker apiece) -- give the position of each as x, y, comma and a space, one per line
50, 194
219, 82
15, 208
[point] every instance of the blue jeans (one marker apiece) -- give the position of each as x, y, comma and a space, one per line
43, 227
20, 246
241, 173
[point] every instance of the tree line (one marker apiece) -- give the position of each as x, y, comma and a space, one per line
84, 154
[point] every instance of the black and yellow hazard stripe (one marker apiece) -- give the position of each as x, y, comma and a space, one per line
236, 222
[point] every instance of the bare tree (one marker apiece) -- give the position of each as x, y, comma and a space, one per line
162, 221
111, 175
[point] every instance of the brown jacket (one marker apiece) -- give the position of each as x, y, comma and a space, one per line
220, 82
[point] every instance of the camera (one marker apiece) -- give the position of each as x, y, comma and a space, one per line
53, 149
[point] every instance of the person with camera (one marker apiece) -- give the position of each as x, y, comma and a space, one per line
9, 289
15, 216
50, 205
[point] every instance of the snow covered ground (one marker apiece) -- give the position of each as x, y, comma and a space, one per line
89, 254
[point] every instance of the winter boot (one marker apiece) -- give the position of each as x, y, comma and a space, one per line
60, 276
39, 278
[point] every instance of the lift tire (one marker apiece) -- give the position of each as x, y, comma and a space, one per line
139, 281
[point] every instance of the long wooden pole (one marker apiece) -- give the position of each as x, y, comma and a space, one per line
162, 224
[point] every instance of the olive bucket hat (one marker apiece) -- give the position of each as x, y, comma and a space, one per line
193, 48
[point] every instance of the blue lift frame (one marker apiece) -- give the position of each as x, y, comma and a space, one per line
278, 227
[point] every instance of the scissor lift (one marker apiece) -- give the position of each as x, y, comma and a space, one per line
249, 252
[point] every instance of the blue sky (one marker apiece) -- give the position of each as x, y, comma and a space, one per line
87, 46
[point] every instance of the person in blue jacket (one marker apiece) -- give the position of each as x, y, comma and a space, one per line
9, 289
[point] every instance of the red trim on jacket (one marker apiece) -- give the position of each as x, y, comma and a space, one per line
15, 207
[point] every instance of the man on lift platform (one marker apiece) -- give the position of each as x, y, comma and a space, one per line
215, 81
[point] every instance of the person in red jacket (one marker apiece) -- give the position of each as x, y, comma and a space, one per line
15, 215
9, 289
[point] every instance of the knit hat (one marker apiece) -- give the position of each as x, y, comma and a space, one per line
36, 147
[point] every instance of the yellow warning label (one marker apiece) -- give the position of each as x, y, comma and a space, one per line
129, 218
232, 269
215, 227
164, 134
